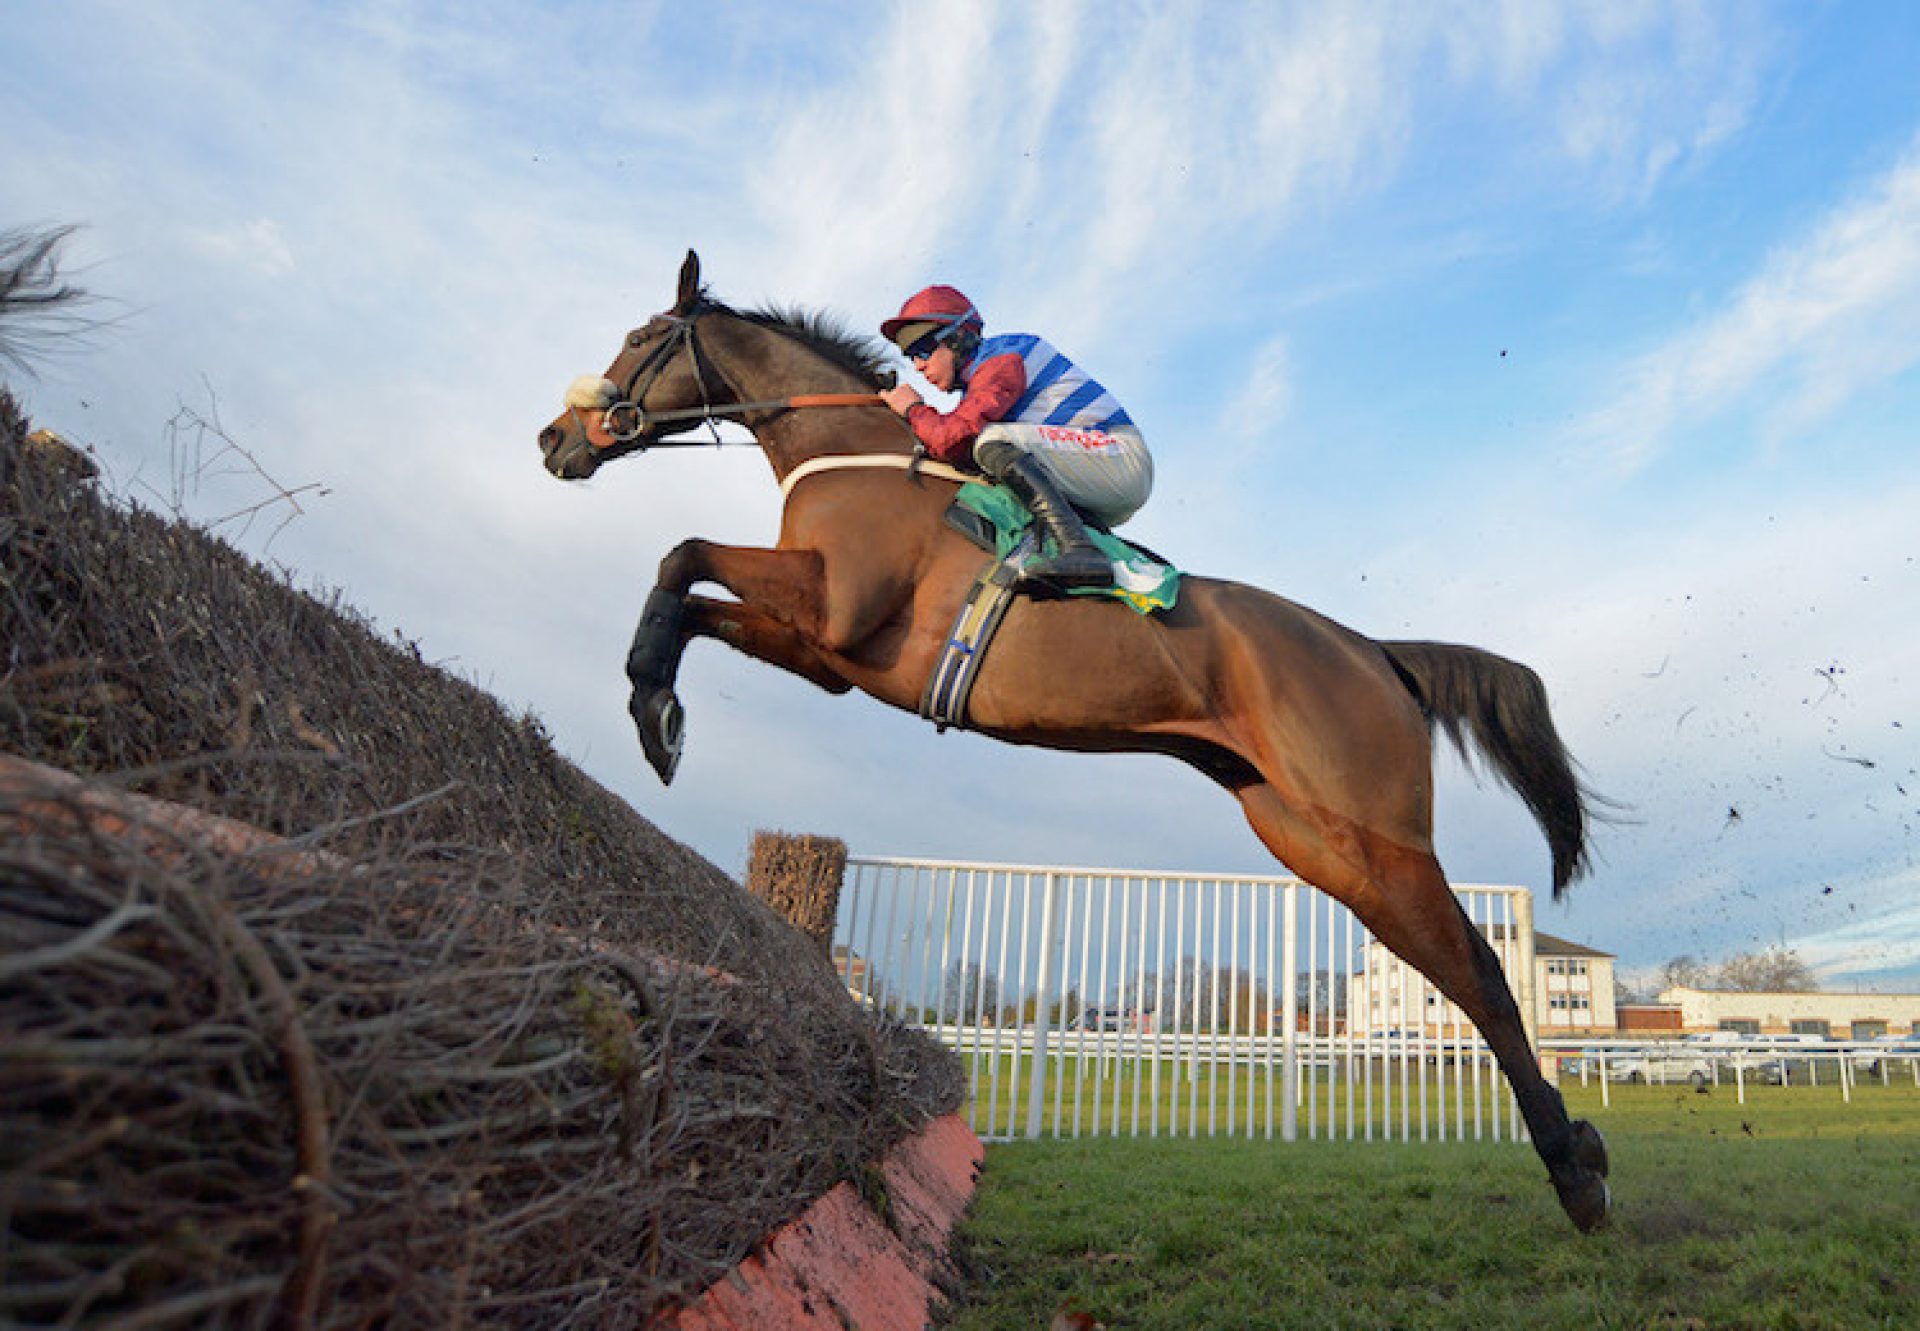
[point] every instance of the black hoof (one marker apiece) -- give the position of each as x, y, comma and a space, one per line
662, 724
1587, 1202
1583, 1190
1589, 1147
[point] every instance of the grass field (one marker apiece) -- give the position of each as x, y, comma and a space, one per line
1793, 1210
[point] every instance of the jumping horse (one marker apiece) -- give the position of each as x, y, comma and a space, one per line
1324, 736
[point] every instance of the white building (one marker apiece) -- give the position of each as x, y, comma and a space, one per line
1569, 992
1831, 1016
1574, 988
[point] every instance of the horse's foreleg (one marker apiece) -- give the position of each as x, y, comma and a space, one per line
757, 634
787, 586
779, 599
1402, 897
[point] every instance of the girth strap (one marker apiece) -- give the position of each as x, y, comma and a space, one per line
950, 685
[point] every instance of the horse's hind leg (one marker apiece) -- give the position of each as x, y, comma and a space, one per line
1400, 894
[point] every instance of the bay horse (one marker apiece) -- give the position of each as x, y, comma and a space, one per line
1324, 736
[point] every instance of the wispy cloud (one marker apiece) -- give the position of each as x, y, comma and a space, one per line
1823, 320
1267, 394
1880, 945
1101, 164
259, 245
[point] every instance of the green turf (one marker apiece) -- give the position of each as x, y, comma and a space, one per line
1793, 1210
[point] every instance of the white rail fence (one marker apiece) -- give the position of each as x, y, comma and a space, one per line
1118, 1002
1736, 1063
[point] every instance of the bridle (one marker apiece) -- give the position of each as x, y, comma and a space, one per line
625, 420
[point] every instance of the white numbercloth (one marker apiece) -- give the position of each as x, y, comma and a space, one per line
1107, 473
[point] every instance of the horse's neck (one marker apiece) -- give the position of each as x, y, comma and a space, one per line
796, 437
773, 367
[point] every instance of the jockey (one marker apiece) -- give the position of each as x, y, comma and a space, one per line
1029, 418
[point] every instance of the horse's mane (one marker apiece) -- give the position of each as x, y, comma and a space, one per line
39, 310
859, 354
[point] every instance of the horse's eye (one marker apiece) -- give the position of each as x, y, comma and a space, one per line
636, 337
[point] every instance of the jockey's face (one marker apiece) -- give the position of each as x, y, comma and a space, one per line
940, 368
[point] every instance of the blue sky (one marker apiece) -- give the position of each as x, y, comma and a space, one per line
1584, 333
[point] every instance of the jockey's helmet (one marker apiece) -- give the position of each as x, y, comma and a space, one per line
929, 318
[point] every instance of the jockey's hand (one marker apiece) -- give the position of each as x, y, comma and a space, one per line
900, 399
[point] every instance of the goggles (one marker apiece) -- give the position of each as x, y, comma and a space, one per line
927, 343
921, 339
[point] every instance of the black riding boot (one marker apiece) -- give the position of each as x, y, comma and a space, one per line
1077, 561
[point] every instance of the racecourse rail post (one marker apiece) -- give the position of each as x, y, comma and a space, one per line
1043, 1005
1520, 970
1290, 1016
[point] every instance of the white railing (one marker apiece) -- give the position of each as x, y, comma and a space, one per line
1736, 1063
1113, 1001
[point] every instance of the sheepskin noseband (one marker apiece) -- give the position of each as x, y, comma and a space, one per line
590, 392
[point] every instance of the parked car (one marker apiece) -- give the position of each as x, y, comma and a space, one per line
1873, 1061
1677, 1064
1693, 1059
1112, 1019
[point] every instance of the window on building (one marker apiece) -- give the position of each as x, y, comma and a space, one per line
1812, 1026
1740, 1025
1869, 1029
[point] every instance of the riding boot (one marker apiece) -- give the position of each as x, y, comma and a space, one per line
1076, 562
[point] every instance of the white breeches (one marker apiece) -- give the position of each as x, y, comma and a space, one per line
1107, 473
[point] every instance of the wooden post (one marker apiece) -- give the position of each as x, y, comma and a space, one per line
800, 877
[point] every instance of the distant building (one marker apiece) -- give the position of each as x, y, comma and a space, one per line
1571, 993
1650, 1018
852, 969
1574, 989
1831, 1016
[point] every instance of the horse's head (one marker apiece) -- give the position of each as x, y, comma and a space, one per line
655, 387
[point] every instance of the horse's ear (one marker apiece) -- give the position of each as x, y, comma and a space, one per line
689, 283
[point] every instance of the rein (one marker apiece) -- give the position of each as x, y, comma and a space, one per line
641, 419
625, 420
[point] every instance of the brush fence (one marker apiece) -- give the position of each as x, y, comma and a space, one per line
1115, 1002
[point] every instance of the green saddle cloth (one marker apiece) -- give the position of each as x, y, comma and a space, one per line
1144, 584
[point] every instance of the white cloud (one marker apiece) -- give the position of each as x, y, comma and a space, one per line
259, 245
1266, 395
1822, 321
1878, 944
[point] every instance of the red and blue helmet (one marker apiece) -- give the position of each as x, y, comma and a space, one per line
931, 317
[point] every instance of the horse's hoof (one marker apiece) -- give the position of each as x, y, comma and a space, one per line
662, 724
1589, 1147
1587, 1202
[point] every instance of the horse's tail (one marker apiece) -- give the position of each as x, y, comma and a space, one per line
1502, 705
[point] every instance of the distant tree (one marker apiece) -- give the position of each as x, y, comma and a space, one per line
970, 992
1326, 991
38, 307
1776, 970
1197, 997
1645, 986
1685, 970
